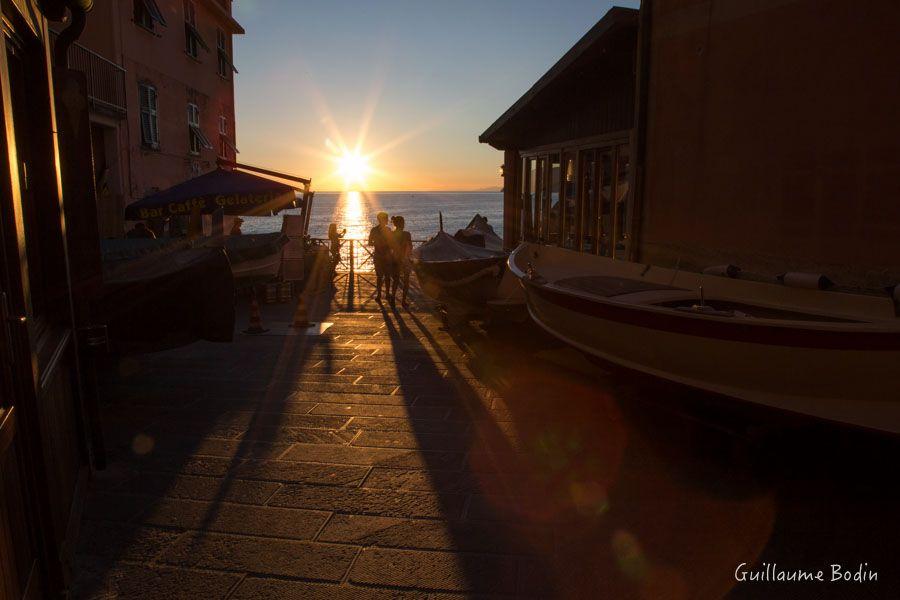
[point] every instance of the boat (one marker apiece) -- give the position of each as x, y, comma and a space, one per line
462, 271
162, 294
255, 258
480, 233
826, 354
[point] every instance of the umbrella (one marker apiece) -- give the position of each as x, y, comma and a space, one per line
235, 192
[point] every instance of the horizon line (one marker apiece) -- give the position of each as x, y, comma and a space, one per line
497, 191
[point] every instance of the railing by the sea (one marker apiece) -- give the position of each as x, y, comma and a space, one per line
356, 254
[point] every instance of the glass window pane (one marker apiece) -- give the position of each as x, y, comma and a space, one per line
605, 216
622, 195
588, 201
570, 212
553, 221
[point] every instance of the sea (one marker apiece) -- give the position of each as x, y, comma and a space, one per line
355, 212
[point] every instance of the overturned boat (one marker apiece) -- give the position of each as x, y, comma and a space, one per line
255, 258
827, 354
463, 275
161, 294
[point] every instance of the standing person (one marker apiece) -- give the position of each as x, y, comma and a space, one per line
335, 239
380, 239
402, 251
236, 226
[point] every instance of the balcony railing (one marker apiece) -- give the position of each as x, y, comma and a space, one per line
105, 79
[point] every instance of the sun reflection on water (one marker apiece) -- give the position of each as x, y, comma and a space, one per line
355, 213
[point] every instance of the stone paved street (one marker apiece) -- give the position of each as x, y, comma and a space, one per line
390, 458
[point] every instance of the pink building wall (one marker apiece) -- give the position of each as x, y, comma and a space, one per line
159, 58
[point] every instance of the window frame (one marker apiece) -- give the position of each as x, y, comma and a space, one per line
193, 121
146, 13
151, 110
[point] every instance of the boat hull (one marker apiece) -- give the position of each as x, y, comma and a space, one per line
467, 285
849, 379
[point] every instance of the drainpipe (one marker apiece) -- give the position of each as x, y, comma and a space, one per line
55, 10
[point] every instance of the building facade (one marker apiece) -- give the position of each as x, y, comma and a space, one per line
567, 145
161, 83
687, 135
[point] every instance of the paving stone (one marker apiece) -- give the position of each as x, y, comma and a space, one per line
280, 404
384, 457
408, 425
378, 410
254, 588
423, 480
370, 501
202, 488
291, 435
425, 441
266, 556
317, 397
300, 472
123, 541
212, 466
332, 387
153, 583
224, 517
427, 534
460, 572
115, 507
371, 367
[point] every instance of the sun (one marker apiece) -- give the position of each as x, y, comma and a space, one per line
353, 167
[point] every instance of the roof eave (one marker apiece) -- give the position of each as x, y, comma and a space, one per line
614, 16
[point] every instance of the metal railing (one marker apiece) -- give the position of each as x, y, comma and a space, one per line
355, 255
105, 79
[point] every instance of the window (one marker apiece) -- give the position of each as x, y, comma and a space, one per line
147, 14
226, 146
197, 141
223, 136
225, 64
149, 115
193, 41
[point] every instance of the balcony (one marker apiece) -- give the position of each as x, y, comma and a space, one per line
105, 79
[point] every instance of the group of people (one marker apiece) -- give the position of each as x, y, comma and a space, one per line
391, 249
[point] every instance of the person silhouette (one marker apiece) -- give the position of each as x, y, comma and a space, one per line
380, 239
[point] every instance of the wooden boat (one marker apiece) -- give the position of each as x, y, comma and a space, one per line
463, 275
161, 294
480, 233
827, 354
255, 258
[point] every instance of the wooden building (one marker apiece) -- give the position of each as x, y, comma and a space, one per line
772, 137
567, 145
44, 455
693, 134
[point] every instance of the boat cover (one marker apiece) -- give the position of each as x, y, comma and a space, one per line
235, 192
167, 298
254, 246
480, 233
444, 248
251, 246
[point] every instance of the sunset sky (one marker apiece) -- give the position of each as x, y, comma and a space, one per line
414, 81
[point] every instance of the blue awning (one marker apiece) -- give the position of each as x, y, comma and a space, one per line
235, 192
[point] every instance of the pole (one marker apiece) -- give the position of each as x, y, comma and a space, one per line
352, 261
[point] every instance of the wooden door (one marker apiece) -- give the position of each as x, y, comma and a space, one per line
20, 568
44, 456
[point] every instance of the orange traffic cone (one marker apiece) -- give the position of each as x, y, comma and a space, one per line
301, 319
255, 318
